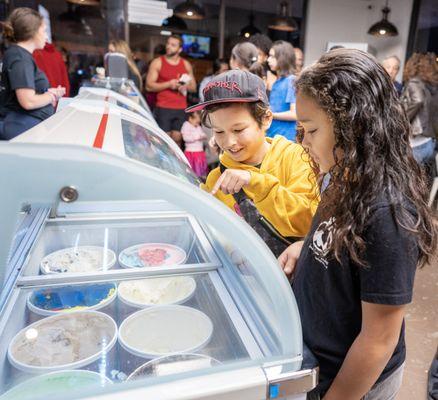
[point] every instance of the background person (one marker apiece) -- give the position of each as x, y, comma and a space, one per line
219, 65
264, 44
299, 60
245, 56
392, 66
282, 97
164, 77
421, 80
120, 46
28, 98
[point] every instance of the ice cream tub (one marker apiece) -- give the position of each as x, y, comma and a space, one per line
163, 330
54, 384
152, 255
142, 293
173, 364
64, 341
78, 259
55, 300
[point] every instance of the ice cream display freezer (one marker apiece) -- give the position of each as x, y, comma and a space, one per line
122, 279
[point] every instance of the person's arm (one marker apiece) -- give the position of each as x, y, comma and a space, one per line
289, 206
191, 85
29, 100
290, 115
369, 353
151, 80
290, 98
288, 259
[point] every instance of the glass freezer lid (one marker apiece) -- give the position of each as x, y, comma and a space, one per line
121, 86
118, 244
90, 332
107, 178
143, 145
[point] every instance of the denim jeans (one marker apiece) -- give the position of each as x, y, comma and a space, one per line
424, 152
16, 123
385, 390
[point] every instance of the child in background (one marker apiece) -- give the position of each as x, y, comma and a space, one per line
194, 137
273, 173
353, 275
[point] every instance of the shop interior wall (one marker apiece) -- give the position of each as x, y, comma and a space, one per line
349, 21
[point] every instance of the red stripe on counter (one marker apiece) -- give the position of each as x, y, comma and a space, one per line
100, 135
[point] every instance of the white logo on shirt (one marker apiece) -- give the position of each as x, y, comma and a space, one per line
321, 241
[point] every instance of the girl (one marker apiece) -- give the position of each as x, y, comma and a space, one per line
354, 273
194, 137
281, 60
28, 98
245, 56
272, 172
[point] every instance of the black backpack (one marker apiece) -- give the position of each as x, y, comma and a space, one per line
248, 211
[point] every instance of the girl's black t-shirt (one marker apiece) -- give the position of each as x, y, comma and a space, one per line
329, 293
19, 71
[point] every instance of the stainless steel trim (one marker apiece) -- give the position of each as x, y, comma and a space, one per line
247, 383
22, 251
288, 383
120, 215
245, 334
205, 243
114, 275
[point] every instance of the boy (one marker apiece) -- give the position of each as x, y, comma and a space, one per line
273, 173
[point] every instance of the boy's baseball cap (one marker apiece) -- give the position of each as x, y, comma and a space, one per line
233, 86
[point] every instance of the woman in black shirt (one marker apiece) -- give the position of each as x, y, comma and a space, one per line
28, 100
354, 273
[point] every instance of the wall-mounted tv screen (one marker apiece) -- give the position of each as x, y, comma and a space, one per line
196, 46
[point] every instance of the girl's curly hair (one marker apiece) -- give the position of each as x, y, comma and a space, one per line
372, 130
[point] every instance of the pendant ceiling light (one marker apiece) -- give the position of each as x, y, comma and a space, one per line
383, 27
85, 2
174, 22
189, 10
250, 29
284, 22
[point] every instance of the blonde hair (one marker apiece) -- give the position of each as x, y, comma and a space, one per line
122, 47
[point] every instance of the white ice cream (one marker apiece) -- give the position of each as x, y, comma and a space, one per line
165, 329
78, 259
62, 340
157, 290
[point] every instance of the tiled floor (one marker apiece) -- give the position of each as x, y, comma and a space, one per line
421, 333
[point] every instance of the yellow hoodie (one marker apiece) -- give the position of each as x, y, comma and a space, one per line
280, 189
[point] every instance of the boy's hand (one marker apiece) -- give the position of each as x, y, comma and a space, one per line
288, 259
231, 181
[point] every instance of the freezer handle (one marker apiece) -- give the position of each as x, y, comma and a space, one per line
285, 384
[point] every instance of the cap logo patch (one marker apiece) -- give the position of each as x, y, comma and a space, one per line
229, 85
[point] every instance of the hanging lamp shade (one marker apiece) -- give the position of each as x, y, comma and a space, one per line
174, 22
284, 22
250, 29
189, 10
93, 3
383, 27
